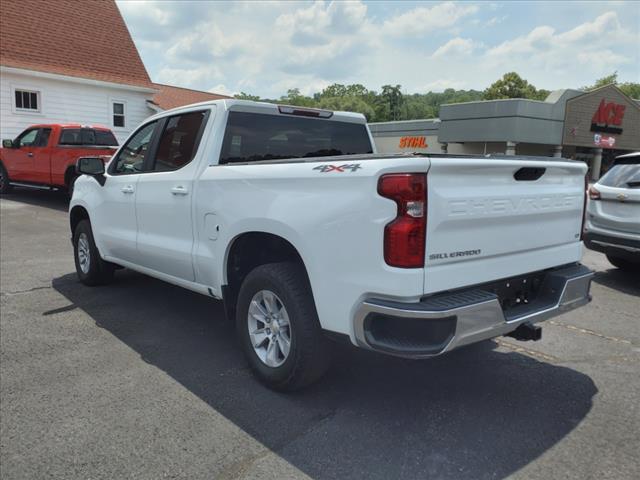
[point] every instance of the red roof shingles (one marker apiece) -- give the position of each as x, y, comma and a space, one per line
171, 97
87, 39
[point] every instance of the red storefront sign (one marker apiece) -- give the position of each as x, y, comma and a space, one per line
608, 117
413, 142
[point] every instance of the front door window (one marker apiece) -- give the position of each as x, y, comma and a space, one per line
131, 156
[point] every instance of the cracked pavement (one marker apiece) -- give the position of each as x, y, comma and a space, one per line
141, 379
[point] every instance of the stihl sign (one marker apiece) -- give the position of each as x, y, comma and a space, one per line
413, 142
608, 118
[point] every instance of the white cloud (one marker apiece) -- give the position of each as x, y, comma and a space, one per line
588, 47
266, 48
456, 46
189, 77
493, 21
422, 20
222, 90
441, 85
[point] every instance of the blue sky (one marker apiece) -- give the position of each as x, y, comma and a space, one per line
265, 48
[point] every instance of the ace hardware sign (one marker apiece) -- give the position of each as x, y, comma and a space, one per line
608, 117
603, 118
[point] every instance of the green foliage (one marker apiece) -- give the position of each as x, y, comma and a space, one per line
348, 104
294, 97
631, 89
601, 82
512, 85
246, 96
391, 104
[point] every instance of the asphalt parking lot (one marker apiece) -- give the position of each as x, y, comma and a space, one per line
141, 379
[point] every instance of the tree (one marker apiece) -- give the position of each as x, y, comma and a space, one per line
391, 99
246, 96
632, 89
512, 85
348, 104
294, 97
601, 82
332, 91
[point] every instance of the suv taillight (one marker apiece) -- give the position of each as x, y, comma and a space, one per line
587, 191
594, 194
404, 237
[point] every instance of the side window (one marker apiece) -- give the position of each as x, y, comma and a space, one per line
70, 136
117, 109
179, 141
105, 137
28, 138
27, 100
131, 156
43, 139
88, 136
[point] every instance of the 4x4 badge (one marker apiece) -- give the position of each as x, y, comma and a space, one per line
338, 168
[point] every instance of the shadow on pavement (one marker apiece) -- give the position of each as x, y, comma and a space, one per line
625, 282
476, 413
56, 200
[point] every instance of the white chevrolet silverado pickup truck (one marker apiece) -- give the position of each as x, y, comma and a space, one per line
290, 217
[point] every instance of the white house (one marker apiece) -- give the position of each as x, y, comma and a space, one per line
70, 62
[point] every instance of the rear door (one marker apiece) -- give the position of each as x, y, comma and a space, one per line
619, 205
165, 195
116, 227
489, 219
41, 172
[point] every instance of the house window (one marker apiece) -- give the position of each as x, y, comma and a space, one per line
27, 100
118, 113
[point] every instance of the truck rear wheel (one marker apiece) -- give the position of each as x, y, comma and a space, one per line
278, 327
90, 267
5, 186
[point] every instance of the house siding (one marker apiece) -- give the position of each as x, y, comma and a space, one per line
63, 101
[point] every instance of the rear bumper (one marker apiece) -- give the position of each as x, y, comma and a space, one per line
613, 245
443, 322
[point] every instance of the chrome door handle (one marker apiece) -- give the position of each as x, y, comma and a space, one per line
179, 190
127, 189
30, 154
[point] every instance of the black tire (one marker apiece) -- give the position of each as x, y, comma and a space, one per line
309, 354
624, 264
5, 187
97, 272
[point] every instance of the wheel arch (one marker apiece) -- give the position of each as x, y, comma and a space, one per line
76, 215
249, 250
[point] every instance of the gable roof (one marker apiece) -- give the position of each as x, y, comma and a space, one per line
610, 88
169, 96
86, 39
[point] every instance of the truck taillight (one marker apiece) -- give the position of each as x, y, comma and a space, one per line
404, 237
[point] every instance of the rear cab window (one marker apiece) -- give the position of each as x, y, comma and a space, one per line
253, 137
87, 137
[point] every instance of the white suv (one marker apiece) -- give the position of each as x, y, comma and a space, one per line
613, 214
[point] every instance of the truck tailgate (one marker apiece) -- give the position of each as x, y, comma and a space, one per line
495, 218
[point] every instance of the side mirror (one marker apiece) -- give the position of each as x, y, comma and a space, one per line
93, 166
7, 143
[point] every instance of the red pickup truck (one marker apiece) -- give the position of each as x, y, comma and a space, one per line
45, 155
